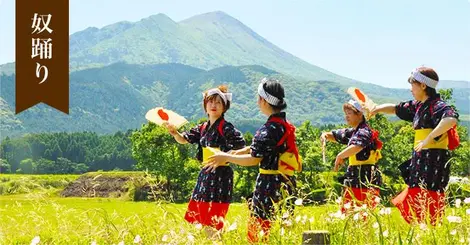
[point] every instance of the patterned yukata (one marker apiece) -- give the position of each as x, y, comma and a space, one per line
427, 172
361, 181
270, 188
213, 191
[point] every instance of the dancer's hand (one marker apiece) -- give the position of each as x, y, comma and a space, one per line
338, 163
422, 144
372, 111
216, 160
326, 136
171, 128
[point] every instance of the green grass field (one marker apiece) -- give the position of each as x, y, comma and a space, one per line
22, 184
111, 221
30, 207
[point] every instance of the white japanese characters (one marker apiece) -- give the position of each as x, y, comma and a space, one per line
41, 47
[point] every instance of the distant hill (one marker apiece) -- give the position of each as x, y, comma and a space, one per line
206, 41
116, 97
120, 71
453, 84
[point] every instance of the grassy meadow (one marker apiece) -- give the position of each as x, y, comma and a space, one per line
42, 217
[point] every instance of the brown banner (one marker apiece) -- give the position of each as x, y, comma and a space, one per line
42, 54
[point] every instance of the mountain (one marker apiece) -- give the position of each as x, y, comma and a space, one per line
205, 41
116, 97
120, 71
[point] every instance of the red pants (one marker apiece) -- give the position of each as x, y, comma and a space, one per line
207, 213
359, 196
255, 226
416, 204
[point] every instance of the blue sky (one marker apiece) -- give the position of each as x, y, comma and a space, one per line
372, 41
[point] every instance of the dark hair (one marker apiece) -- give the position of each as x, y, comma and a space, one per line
430, 73
206, 99
275, 88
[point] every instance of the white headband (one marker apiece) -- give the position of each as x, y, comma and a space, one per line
423, 79
269, 98
356, 105
225, 96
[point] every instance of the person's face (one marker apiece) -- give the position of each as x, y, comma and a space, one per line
263, 105
215, 106
352, 118
418, 90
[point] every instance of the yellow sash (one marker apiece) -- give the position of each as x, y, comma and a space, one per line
209, 151
374, 157
269, 171
421, 134
289, 160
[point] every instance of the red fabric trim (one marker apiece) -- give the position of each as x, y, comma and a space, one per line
360, 196
255, 225
207, 213
416, 204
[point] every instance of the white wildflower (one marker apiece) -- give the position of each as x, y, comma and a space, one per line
297, 219
304, 219
385, 211
468, 211
337, 214
165, 238
298, 202
311, 220
93, 243
287, 223
347, 205
233, 226
377, 199
198, 226
423, 226
375, 225
121, 243
467, 200
35, 240
385, 233
454, 219
453, 232
191, 238
458, 202
356, 216
137, 239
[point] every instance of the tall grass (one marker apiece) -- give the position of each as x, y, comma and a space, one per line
111, 221
27, 218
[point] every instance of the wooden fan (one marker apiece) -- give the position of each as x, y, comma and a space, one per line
367, 104
159, 115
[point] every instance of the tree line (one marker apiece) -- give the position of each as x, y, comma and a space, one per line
152, 149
